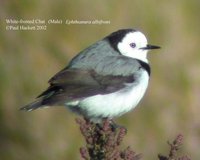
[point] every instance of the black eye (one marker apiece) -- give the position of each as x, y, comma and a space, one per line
133, 45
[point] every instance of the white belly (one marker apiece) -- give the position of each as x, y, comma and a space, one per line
115, 104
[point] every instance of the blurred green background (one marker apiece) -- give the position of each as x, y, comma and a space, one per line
29, 58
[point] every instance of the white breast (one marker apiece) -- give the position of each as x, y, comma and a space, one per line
118, 103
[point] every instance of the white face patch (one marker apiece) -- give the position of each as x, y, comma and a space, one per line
131, 44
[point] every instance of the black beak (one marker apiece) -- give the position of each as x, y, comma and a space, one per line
149, 47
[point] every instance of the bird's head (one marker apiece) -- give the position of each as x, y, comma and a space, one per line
131, 43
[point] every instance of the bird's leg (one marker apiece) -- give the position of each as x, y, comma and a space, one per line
114, 126
117, 126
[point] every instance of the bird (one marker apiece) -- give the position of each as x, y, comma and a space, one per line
105, 80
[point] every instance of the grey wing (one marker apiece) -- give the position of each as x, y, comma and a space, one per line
105, 64
77, 83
